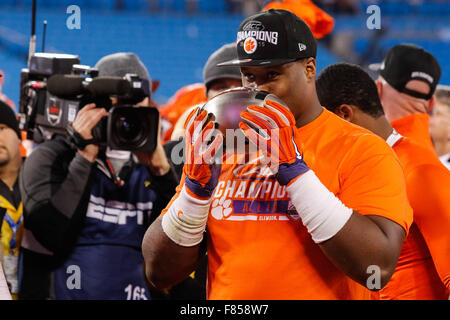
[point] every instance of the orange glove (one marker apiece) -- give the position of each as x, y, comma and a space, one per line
202, 144
272, 128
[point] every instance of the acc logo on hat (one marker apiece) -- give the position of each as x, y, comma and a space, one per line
250, 45
253, 25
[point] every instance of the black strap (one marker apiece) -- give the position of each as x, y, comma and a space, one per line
127, 169
76, 141
416, 94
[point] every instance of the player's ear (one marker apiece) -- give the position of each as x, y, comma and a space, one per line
310, 68
379, 85
345, 112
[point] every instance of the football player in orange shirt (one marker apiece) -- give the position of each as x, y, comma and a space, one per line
423, 270
334, 209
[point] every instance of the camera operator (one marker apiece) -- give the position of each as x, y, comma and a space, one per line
88, 209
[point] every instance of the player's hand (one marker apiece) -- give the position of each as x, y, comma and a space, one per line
86, 119
202, 141
272, 128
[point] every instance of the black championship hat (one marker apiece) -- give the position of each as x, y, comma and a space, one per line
271, 38
406, 62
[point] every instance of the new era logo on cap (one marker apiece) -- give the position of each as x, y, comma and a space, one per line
273, 37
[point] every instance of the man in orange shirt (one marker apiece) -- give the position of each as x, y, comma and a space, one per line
314, 228
348, 91
408, 77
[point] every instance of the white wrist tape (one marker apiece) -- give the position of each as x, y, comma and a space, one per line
185, 221
4, 290
321, 212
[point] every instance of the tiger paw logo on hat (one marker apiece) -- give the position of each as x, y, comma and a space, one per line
250, 45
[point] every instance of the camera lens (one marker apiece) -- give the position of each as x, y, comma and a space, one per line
132, 128
129, 128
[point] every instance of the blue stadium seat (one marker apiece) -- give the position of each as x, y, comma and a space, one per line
136, 5
178, 5
99, 4
8, 3
60, 3
173, 46
434, 8
216, 6
395, 8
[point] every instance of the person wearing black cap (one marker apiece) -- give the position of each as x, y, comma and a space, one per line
424, 265
327, 223
11, 216
88, 208
408, 77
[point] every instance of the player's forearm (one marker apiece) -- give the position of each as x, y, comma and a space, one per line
166, 263
366, 244
353, 242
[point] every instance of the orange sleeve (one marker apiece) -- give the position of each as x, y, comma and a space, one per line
429, 194
373, 182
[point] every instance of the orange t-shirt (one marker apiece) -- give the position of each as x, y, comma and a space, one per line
428, 188
257, 246
415, 126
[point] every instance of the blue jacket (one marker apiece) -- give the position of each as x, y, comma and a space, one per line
93, 225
